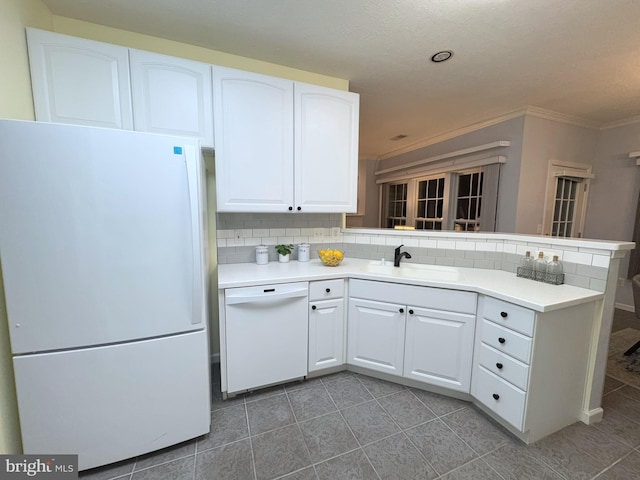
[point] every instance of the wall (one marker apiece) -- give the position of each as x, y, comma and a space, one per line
614, 194
115, 36
511, 130
545, 140
15, 102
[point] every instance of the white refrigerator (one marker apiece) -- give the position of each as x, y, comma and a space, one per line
102, 248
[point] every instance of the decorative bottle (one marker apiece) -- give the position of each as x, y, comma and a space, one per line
539, 266
555, 267
526, 266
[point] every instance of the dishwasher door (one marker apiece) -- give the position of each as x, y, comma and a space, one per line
266, 335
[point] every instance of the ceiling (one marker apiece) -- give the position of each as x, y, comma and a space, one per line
576, 57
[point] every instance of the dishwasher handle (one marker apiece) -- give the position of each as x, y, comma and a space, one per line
265, 297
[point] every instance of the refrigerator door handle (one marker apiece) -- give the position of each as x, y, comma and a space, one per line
191, 163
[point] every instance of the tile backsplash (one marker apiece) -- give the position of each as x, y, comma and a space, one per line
239, 233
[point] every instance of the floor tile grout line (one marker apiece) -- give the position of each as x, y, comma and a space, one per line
162, 463
609, 467
195, 463
253, 457
295, 418
403, 432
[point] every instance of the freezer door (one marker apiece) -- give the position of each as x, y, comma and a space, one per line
111, 403
100, 238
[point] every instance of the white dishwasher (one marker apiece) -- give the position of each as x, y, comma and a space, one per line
266, 334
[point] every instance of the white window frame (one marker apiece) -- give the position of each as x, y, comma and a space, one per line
580, 172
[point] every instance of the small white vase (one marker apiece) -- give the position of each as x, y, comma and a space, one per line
283, 258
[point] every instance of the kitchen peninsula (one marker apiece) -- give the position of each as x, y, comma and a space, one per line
527, 353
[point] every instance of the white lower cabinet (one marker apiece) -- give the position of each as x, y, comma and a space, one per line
439, 348
528, 369
426, 336
326, 324
376, 335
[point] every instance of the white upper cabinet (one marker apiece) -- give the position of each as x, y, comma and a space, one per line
326, 149
254, 141
284, 146
171, 96
79, 81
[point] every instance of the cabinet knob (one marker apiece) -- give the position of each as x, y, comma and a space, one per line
328, 290
504, 314
496, 396
501, 339
290, 208
410, 312
299, 208
313, 307
401, 310
499, 366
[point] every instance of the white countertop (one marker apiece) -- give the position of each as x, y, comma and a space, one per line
496, 283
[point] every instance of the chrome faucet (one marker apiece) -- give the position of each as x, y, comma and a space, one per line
398, 256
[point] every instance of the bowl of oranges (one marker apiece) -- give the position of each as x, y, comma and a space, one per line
331, 258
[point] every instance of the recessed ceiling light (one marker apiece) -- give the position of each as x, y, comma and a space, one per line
397, 137
441, 56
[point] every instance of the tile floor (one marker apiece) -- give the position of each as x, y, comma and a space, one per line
348, 426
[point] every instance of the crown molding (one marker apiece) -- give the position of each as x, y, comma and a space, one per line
561, 117
454, 133
527, 110
621, 123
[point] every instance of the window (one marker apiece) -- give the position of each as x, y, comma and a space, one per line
430, 200
437, 202
469, 200
396, 204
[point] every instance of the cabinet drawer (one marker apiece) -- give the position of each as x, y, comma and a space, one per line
426, 297
506, 341
326, 289
504, 366
499, 396
511, 316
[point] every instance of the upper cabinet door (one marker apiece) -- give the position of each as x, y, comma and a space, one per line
326, 149
79, 81
171, 96
254, 141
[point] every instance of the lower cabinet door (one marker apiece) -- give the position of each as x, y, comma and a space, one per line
376, 335
326, 334
439, 348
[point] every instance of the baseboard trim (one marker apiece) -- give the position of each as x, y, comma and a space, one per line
625, 307
591, 416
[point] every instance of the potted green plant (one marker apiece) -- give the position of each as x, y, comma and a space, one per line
283, 252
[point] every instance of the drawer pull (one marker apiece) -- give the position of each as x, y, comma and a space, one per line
501, 339
496, 396
410, 312
499, 366
313, 307
401, 310
328, 290
504, 314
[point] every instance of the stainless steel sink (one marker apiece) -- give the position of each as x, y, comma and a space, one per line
414, 270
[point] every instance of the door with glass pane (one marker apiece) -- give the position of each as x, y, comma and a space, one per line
565, 206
